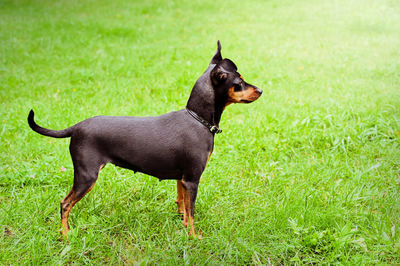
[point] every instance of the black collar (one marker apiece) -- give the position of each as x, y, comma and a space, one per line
213, 128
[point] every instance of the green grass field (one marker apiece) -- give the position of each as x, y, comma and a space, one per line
309, 173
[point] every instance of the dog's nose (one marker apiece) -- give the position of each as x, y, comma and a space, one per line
259, 91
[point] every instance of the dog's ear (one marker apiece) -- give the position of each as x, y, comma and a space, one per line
217, 57
218, 75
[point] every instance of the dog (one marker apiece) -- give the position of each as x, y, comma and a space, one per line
175, 145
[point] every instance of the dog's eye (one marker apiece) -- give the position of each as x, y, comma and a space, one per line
237, 87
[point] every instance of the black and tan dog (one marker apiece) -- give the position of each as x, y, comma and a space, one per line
176, 145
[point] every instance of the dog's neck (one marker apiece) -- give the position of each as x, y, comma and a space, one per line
204, 101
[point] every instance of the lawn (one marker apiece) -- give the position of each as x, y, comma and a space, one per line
309, 173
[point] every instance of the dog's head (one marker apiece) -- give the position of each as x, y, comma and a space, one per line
228, 83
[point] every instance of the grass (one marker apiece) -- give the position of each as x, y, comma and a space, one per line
307, 174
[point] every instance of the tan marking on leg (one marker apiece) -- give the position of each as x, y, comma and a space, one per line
186, 206
188, 217
65, 209
191, 226
179, 196
68, 202
64, 222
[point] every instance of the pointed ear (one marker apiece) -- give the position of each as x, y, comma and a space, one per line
218, 75
217, 57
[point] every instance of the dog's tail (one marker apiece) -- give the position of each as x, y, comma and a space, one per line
64, 133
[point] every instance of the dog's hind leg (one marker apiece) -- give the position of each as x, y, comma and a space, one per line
65, 208
85, 176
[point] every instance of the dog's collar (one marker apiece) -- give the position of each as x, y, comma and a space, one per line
213, 128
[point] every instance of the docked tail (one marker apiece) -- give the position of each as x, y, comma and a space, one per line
64, 133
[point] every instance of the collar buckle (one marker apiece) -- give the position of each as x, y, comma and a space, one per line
215, 129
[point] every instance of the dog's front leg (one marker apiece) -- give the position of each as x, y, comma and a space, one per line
189, 198
179, 196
